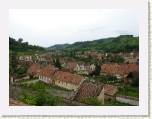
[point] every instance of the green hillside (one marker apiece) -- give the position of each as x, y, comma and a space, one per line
21, 47
122, 43
119, 44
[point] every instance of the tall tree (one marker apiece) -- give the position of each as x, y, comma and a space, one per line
57, 63
20, 40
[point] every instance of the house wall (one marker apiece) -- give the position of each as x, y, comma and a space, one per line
92, 67
81, 69
101, 97
45, 79
66, 85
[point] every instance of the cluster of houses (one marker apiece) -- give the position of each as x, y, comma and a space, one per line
132, 57
93, 54
82, 88
79, 68
73, 74
54, 76
119, 70
44, 59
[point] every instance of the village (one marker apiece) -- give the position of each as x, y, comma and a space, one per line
80, 77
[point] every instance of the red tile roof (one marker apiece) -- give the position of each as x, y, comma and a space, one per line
34, 69
71, 66
121, 69
110, 89
88, 89
68, 77
48, 71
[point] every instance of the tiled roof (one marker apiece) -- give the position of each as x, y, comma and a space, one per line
68, 77
89, 89
121, 69
110, 89
34, 69
71, 65
48, 71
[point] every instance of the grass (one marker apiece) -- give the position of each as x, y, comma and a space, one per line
58, 88
129, 91
91, 101
40, 98
36, 94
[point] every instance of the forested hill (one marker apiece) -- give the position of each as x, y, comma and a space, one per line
122, 43
58, 46
20, 46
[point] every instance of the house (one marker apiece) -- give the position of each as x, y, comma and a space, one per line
119, 70
90, 89
131, 59
34, 70
71, 66
25, 58
47, 74
110, 92
84, 68
68, 80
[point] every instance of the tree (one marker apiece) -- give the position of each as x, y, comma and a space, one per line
20, 46
134, 79
21, 70
57, 63
118, 59
97, 70
12, 62
40, 98
20, 40
72, 54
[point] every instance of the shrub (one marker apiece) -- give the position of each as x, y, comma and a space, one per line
40, 99
91, 101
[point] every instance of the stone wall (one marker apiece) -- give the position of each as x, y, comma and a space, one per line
128, 100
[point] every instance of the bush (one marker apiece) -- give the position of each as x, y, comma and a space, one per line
28, 99
21, 70
91, 101
107, 79
41, 98
38, 86
52, 101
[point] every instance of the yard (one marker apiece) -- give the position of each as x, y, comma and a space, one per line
129, 91
39, 93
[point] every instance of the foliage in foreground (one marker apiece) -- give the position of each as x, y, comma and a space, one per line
40, 99
91, 101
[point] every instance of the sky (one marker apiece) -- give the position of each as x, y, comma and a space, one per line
47, 27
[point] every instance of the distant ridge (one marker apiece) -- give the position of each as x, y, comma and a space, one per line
58, 46
122, 43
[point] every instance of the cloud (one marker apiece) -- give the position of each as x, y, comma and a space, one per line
49, 27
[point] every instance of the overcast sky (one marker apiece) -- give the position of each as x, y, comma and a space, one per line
49, 27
